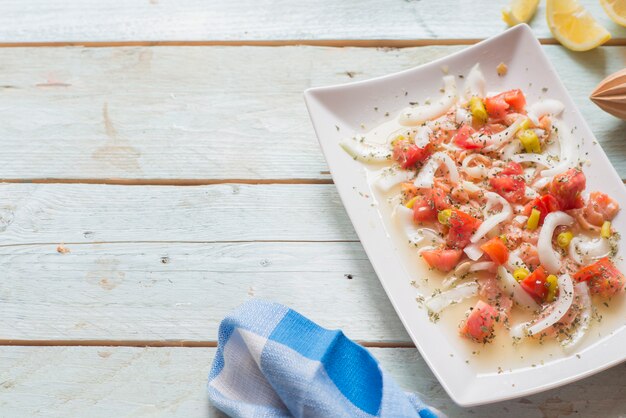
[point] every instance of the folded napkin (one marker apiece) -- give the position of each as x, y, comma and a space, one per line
273, 362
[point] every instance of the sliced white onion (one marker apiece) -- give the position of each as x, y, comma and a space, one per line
441, 301
449, 281
511, 286
442, 122
471, 187
453, 277
531, 158
510, 149
491, 222
567, 150
404, 216
541, 183
520, 219
544, 107
515, 262
539, 132
482, 266
426, 176
529, 174
412, 116
530, 193
363, 151
467, 267
450, 147
477, 171
462, 268
495, 141
584, 250
494, 171
387, 178
547, 256
417, 236
462, 116
556, 310
474, 83
422, 136
584, 316
473, 251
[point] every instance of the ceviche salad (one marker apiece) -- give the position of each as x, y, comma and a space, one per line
491, 192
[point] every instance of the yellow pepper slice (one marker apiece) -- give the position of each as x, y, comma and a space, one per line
529, 140
520, 274
605, 232
553, 286
564, 238
443, 216
411, 202
533, 220
524, 125
477, 109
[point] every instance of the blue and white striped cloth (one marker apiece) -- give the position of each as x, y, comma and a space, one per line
273, 362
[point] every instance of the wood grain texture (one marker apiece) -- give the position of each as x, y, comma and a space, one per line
170, 113
75, 213
171, 382
172, 20
105, 382
181, 291
208, 113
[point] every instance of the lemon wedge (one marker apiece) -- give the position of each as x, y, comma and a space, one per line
573, 26
616, 9
519, 11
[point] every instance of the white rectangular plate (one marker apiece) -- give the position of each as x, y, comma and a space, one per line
338, 112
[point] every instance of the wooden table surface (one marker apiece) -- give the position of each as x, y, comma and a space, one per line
167, 145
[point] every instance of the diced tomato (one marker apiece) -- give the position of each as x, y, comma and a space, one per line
428, 204
544, 204
603, 277
463, 138
440, 199
513, 169
509, 187
535, 284
442, 259
515, 98
423, 211
462, 227
567, 187
480, 323
498, 106
509, 184
496, 250
407, 155
416, 155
